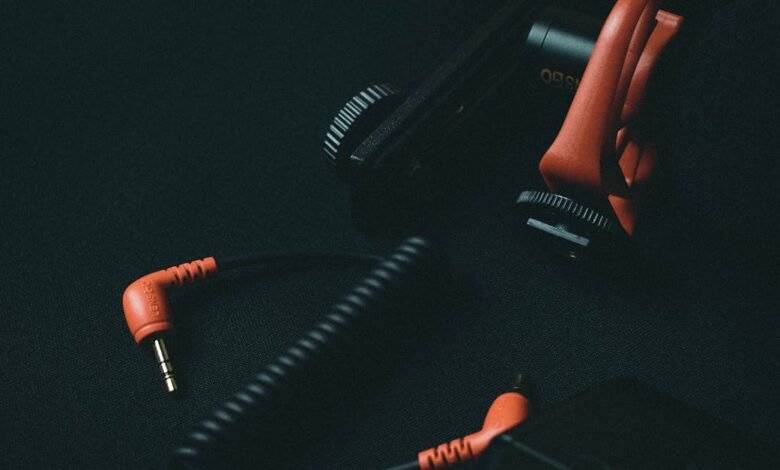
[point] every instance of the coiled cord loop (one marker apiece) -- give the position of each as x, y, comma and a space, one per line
412, 269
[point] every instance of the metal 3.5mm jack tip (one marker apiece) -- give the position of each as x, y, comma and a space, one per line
164, 363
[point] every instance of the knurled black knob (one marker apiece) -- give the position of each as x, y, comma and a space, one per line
358, 119
575, 226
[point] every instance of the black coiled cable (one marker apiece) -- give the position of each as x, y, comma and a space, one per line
413, 269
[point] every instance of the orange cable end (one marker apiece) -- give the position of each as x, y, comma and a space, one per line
145, 301
506, 412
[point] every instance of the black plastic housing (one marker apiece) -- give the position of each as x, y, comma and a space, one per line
451, 127
625, 424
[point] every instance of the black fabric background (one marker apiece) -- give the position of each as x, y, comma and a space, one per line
137, 136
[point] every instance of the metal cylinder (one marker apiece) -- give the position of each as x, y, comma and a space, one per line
559, 45
164, 363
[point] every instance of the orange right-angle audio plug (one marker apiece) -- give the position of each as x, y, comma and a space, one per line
145, 303
507, 411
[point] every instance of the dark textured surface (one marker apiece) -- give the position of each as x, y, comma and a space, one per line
135, 137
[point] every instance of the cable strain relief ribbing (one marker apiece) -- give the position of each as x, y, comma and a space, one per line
454, 452
189, 273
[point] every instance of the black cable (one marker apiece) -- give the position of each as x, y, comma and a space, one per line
414, 465
412, 268
307, 258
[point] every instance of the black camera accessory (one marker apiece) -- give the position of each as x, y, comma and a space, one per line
602, 158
